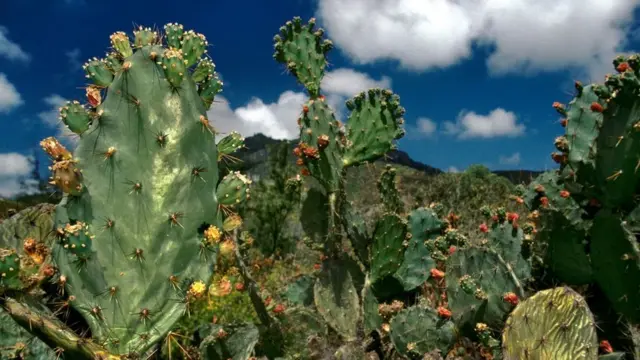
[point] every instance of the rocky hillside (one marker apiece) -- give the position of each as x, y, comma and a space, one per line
254, 161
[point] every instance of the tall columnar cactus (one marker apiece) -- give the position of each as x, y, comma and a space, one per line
142, 216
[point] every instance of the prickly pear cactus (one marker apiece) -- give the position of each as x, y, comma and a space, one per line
17, 343
141, 219
336, 299
230, 342
26, 239
388, 190
326, 147
424, 225
616, 263
552, 324
418, 330
481, 287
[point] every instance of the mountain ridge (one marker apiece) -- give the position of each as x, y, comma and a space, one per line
255, 153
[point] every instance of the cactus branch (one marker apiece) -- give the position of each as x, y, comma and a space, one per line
54, 333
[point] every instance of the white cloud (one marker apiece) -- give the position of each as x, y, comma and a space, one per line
523, 35
50, 118
513, 159
426, 126
348, 82
423, 128
11, 50
13, 168
453, 169
9, 97
73, 57
278, 119
498, 122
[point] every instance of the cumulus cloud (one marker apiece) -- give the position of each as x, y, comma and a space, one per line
423, 128
523, 35
13, 168
11, 50
453, 169
498, 122
513, 159
278, 119
9, 97
349, 82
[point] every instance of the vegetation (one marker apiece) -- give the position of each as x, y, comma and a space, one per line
155, 251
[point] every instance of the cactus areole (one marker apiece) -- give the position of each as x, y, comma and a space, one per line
140, 188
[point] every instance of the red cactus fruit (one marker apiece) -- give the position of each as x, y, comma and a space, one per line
437, 274
323, 141
564, 122
239, 286
558, 106
622, 67
305, 172
512, 217
297, 151
484, 228
544, 201
559, 158
305, 109
444, 313
452, 249
596, 107
606, 347
279, 309
511, 298
565, 194
317, 266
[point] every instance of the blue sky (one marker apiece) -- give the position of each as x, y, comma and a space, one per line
477, 77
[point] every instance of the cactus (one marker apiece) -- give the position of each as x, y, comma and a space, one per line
554, 323
388, 190
616, 264
228, 342
481, 287
387, 250
143, 211
418, 330
300, 292
424, 226
337, 300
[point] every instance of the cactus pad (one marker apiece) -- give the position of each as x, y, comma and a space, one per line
418, 330
302, 49
615, 256
552, 324
388, 246
336, 299
477, 282
374, 124
137, 224
424, 225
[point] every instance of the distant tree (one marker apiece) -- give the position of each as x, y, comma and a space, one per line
272, 201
